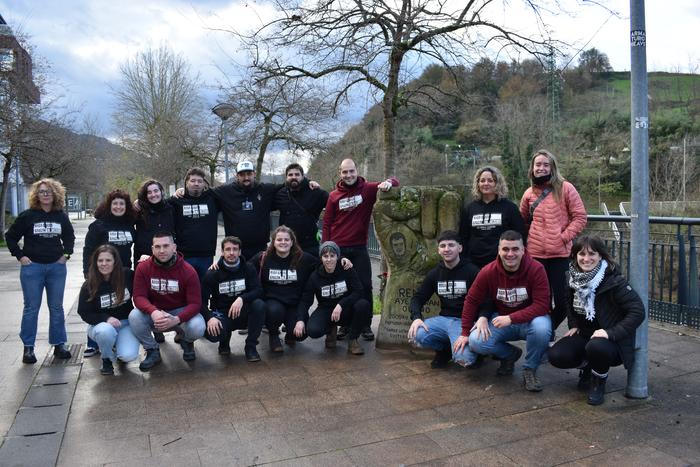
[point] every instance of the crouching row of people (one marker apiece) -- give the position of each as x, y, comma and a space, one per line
167, 295
508, 300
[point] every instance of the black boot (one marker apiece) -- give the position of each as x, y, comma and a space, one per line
441, 359
596, 395
584, 379
61, 351
107, 367
28, 355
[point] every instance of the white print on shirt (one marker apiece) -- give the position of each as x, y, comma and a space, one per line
235, 287
118, 237
47, 229
195, 210
282, 276
512, 297
334, 290
110, 300
452, 289
487, 221
578, 306
164, 286
349, 203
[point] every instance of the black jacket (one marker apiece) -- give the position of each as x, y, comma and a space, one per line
47, 236
196, 224
116, 231
279, 280
152, 218
330, 289
482, 224
618, 310
300, 210
100, 308
450, 285
220, 288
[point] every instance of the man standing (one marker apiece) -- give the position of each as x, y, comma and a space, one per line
300, 207
450, 280
518, 286
235, 293
346, 222
196, 221
167, 295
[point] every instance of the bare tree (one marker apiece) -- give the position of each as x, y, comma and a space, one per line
353, 42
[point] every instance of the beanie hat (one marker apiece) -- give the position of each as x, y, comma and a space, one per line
332, 246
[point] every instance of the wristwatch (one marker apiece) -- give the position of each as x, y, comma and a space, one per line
67, 256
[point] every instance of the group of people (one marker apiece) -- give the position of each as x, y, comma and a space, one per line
492, 289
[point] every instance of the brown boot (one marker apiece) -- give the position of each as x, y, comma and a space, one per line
355, 348
332, 337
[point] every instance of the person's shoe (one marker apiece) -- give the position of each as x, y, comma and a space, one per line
60, 351
179, 335
243, 332
584, 379
107, 367
367, 334
90, 352
187, 350
596, 395
332, 337
28, 355
224, 348
441, 359
532, 382
508, 364
151, 360
477, 363
251, 354
289, 339
276, 343
355, 348
342, 332
159, 337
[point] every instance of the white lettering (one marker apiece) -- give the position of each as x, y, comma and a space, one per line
345, 204
47, 229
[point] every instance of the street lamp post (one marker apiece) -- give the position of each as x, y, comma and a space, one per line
224, 112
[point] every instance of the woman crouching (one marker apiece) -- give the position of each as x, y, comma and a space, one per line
603, 312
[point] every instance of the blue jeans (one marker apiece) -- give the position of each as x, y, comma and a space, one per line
535, 333
34, 278
442, 333
109, 338
142, 327
200, 264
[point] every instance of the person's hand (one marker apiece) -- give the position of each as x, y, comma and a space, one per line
571, 332
163, 321
214, 326
214, 266
116, 324
179, 193
460, 343
62, 260
25, 261
335, 315
413, 330
143, 258
501, 321
600, 333
482, 328
385, 186
314, 185
345, 263
137, 205
235, 310
299, 329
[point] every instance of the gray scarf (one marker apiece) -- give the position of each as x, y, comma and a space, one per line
585, 285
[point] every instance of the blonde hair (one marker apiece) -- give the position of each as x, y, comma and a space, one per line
59, 194
556, 180
501, 187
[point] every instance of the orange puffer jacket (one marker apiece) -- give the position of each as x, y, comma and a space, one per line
555, 224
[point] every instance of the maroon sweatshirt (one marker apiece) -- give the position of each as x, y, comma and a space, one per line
348, 210
523, 294
159, 288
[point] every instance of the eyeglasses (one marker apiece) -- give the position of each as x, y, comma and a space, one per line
45, 192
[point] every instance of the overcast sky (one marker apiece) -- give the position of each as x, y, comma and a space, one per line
85, 41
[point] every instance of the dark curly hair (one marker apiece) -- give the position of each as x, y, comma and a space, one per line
104, 209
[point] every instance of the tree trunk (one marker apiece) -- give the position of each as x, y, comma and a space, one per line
390, 108
3, 193
263, 148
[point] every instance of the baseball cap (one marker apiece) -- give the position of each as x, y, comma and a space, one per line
245, 166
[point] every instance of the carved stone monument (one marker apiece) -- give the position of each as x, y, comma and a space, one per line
408, 221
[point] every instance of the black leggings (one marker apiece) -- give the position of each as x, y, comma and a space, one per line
355, 316
359, 255
556, 275
278, 313
572, 351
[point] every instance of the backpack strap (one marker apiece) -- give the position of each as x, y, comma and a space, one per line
537, 202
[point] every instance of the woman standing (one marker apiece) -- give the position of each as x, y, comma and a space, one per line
488, 216
604, 313
554, 215
105, 303
48, 243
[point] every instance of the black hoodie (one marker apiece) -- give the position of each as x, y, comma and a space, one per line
196, 224
220, 288
153, 218
450, 285
100, 308
300, 210
47, 236
279, 280
116, 231
330, 289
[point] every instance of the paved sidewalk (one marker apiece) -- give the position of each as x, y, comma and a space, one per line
311, 406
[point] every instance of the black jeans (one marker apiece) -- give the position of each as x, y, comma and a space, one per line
252, 316
355, 316
361, 263
572, 351
556, 275
277, 313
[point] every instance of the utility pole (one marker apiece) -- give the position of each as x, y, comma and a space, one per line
637, 386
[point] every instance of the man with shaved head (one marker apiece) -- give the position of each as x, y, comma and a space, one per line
346, 222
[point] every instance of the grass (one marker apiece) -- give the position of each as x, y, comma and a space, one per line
376, 306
